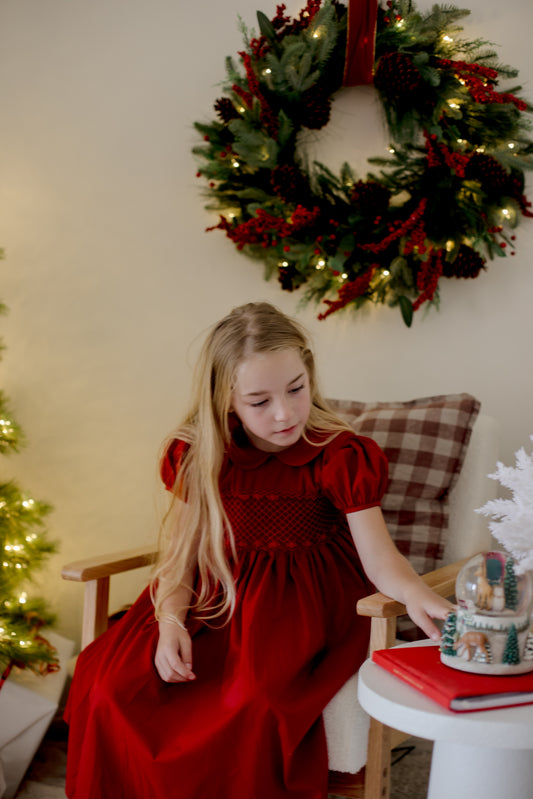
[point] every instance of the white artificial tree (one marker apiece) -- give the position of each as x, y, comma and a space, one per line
512, 519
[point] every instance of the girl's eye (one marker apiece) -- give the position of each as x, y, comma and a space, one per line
258, 404
296, 389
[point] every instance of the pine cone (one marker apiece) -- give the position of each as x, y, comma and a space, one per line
370, 198
396, 77
289, 184
286, 276
468, 263
315, 109
226, 110
489, 172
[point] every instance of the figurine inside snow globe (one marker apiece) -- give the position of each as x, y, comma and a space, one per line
489, 631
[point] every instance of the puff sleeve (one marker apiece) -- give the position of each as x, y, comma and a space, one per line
355, 473
170, 462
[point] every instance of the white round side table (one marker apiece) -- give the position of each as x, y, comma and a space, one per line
488, 753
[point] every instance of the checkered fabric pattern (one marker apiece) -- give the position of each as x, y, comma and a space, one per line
425, 441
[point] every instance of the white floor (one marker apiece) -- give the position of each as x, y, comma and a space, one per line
38, 790
45, 779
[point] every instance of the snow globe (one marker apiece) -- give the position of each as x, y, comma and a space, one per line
489, 632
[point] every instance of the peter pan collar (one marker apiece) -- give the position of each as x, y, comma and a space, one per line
242, 452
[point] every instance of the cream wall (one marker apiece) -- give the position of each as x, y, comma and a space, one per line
110, 278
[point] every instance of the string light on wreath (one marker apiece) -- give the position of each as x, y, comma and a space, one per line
441, 204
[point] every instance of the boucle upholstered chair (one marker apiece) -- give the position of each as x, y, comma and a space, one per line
440, 452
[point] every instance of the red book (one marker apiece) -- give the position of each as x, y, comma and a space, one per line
421, 667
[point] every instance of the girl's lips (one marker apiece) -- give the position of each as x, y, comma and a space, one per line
287, 430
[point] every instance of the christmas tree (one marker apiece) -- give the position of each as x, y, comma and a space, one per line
510, 585
448, 635
23, 546
511, 653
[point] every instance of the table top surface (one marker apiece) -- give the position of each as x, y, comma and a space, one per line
392, 701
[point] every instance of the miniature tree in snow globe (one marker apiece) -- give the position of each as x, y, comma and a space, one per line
511, 653
494, 590
448, 634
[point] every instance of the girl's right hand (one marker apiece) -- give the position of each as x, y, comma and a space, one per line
173, 657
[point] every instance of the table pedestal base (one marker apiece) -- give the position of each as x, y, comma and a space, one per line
460, 771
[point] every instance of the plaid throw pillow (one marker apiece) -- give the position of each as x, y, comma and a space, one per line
425, 441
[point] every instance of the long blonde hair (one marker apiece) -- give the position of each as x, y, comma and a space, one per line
199, 533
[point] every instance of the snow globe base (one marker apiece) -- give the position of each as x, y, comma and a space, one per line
489, 631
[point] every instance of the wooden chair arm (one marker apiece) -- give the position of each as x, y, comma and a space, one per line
96, 573
384, 611
105, 565
442, 581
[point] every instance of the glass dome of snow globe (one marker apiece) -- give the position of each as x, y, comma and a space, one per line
489, 631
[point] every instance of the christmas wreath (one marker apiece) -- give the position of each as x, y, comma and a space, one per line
444, 202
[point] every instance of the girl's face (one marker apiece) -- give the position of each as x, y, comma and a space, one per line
272, 398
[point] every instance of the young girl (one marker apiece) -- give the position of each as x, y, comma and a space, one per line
213, 684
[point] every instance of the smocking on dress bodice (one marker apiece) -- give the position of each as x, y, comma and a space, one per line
287, 522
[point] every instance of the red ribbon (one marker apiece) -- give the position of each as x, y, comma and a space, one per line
360, 42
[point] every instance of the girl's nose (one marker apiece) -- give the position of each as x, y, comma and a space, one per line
281, 410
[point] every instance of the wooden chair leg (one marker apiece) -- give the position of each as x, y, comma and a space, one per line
378, 765
377, 778
343, 784
95, 611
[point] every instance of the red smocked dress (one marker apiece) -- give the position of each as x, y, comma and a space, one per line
250, 725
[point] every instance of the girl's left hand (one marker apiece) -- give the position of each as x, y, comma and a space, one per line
173, 657
423, 605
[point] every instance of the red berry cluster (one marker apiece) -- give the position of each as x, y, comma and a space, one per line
398, 229
438, 153
416, 240
478, 80
428, 278
391, 16
265, 229
349, 291
267, 117
302, 217
246, 97
290, 27
525, 205
284, 25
